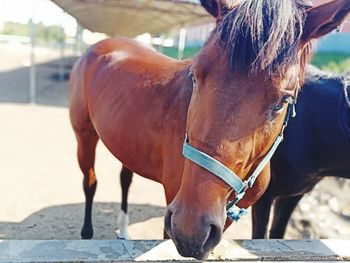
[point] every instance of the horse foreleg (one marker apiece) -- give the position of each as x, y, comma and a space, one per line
261, 214
87, 140
123, 218
283, 209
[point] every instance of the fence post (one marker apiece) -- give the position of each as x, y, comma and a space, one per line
32, 70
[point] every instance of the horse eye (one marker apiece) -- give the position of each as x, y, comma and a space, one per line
278, 106
283, 101
194, 81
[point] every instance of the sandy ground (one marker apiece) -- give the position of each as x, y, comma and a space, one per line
41, 193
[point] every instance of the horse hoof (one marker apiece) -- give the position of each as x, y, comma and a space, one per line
122, 225
86, 233
123, 235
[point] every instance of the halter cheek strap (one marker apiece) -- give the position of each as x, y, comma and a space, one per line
215, 167
224, 173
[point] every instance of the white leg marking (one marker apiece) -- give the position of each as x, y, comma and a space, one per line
122, 225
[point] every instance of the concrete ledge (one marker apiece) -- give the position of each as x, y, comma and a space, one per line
161, 251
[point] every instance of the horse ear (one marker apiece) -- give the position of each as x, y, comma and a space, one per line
322, 19
211, 6
216, 8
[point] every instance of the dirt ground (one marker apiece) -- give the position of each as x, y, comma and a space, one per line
41, 193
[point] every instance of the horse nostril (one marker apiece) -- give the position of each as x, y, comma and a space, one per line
167, 223
213, 239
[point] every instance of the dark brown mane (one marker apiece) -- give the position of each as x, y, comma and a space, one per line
263, 35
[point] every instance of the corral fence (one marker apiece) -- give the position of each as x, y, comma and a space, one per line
164, 251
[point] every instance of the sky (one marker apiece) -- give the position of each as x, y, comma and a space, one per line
42, 11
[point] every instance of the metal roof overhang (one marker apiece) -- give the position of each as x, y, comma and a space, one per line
133, 17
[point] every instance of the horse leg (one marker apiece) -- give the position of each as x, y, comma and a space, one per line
283, 209
261, 214
123, 218
87, 141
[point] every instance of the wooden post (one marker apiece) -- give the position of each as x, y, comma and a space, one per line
61, 69
32, 70
182, 43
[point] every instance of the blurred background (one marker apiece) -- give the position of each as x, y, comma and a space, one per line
41, 193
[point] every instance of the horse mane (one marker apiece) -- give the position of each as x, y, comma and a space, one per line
346, 80
347, 75
263, 35
313, 72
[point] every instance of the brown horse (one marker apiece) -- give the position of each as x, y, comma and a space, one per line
141, 104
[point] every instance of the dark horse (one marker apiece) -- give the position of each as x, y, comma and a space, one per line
229, 100
316, 144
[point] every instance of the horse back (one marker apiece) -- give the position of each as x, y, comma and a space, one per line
106, 63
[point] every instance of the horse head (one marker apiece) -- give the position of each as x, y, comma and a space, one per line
248, 71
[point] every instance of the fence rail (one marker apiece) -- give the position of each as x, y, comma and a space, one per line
162, 251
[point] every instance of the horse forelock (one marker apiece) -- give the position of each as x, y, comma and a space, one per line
263, 35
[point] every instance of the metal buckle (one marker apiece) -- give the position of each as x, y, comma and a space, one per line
235, 213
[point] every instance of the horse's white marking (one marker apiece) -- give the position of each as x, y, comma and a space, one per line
122, 225
120, 55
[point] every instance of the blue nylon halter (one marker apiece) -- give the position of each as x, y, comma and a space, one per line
224, 173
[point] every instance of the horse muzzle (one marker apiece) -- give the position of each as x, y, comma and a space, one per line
192, 238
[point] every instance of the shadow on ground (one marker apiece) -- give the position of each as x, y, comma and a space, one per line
65, 221
51, 85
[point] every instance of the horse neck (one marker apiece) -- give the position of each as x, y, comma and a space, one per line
177, 97
322, 96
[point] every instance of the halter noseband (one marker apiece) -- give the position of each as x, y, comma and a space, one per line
224, 173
